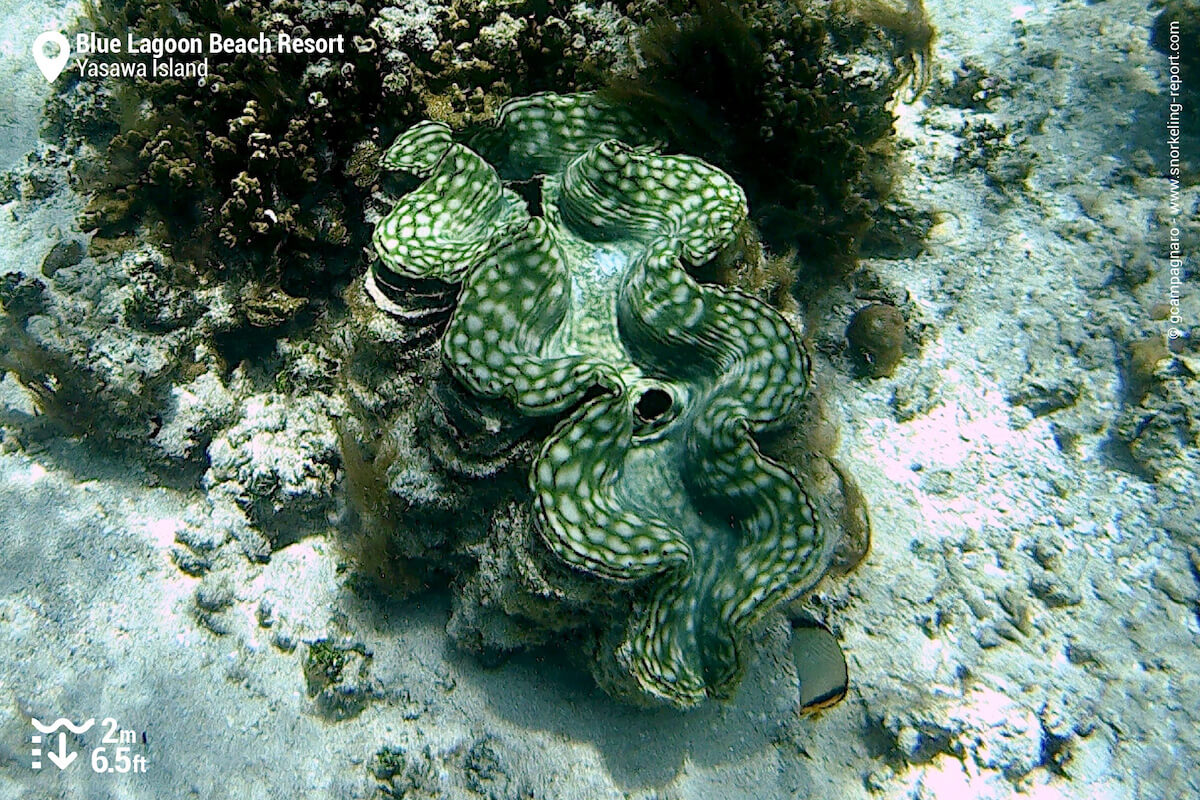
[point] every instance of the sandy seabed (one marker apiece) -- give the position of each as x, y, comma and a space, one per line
1026, 624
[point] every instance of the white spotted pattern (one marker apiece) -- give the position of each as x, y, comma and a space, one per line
682, 500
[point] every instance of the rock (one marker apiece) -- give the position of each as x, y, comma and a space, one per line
195, 412
215, 593
338, 678
65, 253
876, 335
1053, 590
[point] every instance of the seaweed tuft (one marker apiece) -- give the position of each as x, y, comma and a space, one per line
794, 101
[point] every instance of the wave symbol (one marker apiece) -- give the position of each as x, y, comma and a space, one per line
63, 722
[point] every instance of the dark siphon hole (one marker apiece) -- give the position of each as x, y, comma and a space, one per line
653, 404
531, 192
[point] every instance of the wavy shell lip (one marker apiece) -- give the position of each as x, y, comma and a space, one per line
588, 314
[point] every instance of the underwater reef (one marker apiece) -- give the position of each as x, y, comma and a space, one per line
243, 354
257, 174
256, 177
663, 392
225, 221
245, 485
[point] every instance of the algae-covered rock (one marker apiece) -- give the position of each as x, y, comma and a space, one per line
103, 346
660, 390
482, 765
1160, 424
877, 335
338, 678
794, 101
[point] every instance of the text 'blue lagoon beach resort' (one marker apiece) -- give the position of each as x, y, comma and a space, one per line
99, 55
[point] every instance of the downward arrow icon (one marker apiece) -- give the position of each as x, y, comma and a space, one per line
62, 759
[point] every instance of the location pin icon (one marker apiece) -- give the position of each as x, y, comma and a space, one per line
51, 66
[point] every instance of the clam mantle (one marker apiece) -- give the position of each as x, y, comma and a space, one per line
586, 311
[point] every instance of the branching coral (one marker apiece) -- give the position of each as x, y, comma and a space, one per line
655, 478
246, 176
